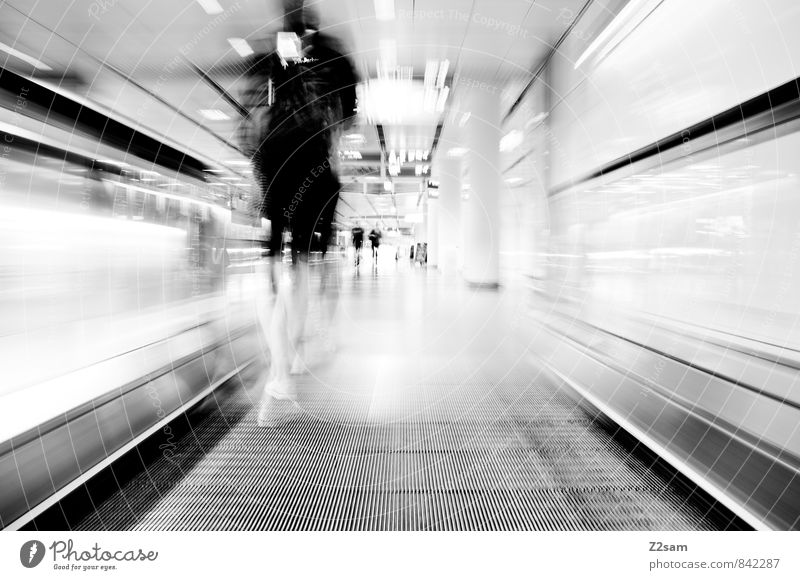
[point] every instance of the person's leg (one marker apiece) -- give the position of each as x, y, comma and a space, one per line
298, 312
278, 384
279, 393
269, 303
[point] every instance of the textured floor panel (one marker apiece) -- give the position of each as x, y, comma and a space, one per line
556, 470
457, 433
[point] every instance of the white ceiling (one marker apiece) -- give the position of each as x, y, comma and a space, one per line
92, 45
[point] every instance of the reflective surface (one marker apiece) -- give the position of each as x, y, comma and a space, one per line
429, 414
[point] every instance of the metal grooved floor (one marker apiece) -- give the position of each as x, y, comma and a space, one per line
430, 416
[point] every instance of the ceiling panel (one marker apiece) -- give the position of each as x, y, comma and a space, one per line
497, 41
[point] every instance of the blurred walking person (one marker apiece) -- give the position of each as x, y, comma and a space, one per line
375, 239
300, 95
358, 242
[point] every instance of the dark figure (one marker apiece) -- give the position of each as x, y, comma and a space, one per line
375, 239
358, 242
302, 103
300, 95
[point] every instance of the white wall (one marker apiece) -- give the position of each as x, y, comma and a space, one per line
686, 62
709, 241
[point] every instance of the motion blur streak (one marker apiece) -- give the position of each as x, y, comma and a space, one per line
121, 299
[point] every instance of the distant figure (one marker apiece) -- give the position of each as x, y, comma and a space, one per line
358, 241
375, 238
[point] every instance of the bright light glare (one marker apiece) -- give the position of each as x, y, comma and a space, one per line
442, 99
442, 73
457, 152
395, 102
628, 18
388, 53
384, 9
22, 56
214, 115
511, 140
430, 73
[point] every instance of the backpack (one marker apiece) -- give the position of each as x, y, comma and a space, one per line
287, 108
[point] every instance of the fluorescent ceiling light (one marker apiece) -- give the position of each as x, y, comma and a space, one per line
619, 28
511, 140
395, 102
388, 53
442, 99
429, 102
241, 46
22, 56
442, 73
457, 152
430, 72
214, 115
536, 119
210, 6
384, 9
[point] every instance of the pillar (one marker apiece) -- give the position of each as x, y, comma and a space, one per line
449, 213
433, 232
482, 214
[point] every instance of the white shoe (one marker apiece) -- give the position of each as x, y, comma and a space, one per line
280, 389
276, 412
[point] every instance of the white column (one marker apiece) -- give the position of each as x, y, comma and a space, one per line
421, 229
433, 232
449, 176
482, 215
